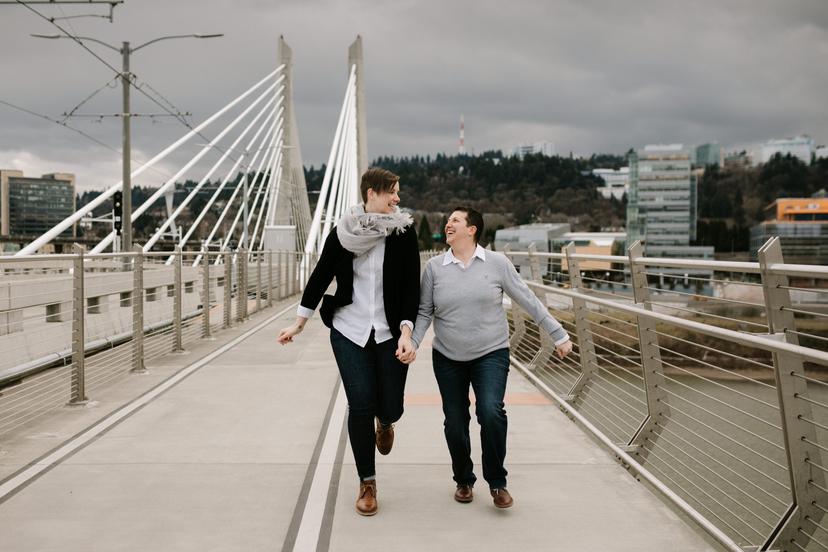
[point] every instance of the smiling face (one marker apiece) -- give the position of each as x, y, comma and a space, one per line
458, 230
383, 202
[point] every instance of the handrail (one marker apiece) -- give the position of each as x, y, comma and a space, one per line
710, 441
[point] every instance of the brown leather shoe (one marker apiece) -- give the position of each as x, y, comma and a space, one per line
502, 498
366, 504
385, 437
463, 494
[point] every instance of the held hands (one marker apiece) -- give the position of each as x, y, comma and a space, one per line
564, 349
286, 335
406, 352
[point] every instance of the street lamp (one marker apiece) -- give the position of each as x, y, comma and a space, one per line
125, 51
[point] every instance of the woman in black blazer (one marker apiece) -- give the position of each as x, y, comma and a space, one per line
372, 252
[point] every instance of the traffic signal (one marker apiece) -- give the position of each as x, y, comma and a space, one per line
117, 211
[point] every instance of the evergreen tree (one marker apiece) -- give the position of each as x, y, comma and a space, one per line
424, 234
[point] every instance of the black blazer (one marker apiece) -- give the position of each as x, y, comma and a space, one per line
400, 279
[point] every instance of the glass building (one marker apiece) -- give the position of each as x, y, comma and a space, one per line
30, 206
709, 154
662, 203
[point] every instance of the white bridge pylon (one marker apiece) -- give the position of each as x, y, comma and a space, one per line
346, 161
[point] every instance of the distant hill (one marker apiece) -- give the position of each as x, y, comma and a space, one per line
536, 188
733, 200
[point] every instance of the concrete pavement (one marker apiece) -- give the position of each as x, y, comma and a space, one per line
247, 452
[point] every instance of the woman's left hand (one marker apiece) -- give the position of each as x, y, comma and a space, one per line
564, 349
406, 352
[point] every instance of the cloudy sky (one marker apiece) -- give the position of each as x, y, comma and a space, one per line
588, 75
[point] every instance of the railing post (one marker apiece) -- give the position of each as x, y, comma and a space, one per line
518, 321
138, 310
586, 344
258, 281
534, 264
282, 275
228, 288
798, 434
292, 271
78, 381
205, 291
653, 369
270, 278
178, 344
241, 285
547, 347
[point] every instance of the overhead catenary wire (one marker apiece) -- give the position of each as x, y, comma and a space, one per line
136, 213
104, 196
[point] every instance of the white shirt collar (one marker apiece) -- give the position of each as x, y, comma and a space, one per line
449, 257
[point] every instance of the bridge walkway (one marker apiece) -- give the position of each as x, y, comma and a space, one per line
240, 445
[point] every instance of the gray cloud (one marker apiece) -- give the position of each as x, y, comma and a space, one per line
590, 75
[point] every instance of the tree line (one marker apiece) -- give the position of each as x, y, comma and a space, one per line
732, 200
509, 191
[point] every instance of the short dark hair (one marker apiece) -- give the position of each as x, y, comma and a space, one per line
473, 218
379, 180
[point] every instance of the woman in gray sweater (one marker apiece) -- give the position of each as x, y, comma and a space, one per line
462, 293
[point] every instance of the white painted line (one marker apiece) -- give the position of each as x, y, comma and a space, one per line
71, 446
307, 537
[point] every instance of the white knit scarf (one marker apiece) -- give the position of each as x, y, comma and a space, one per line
359, 231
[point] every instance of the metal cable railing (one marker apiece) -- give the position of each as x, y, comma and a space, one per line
708, 379
77, 330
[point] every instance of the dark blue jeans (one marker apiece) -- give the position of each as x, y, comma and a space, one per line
487, 376
374, 383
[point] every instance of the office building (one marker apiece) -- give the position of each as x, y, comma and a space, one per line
709, 154
802, 226
616, 182
737, 160
31, 206
552, 238
801, 147
662, 203
544, 148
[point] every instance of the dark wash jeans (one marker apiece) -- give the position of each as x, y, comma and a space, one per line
487, 376
374, 383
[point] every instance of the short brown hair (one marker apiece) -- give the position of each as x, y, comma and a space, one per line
473, 218
379, 180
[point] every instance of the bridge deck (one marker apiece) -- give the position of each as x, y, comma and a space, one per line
248, 452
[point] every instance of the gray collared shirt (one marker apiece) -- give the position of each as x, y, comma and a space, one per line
466, 305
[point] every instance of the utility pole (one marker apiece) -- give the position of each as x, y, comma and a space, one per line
126, 153
126, 116
244, 204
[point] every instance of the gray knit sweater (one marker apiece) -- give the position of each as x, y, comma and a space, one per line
466, 305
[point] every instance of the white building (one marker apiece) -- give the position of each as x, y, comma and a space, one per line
545, 148
661, 208
821, 151
801, 147
616, 182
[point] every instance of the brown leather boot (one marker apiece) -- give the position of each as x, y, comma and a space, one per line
463, 494
502, 498
385, 438
366, 504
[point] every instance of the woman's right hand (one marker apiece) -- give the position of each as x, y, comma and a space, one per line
286, 335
